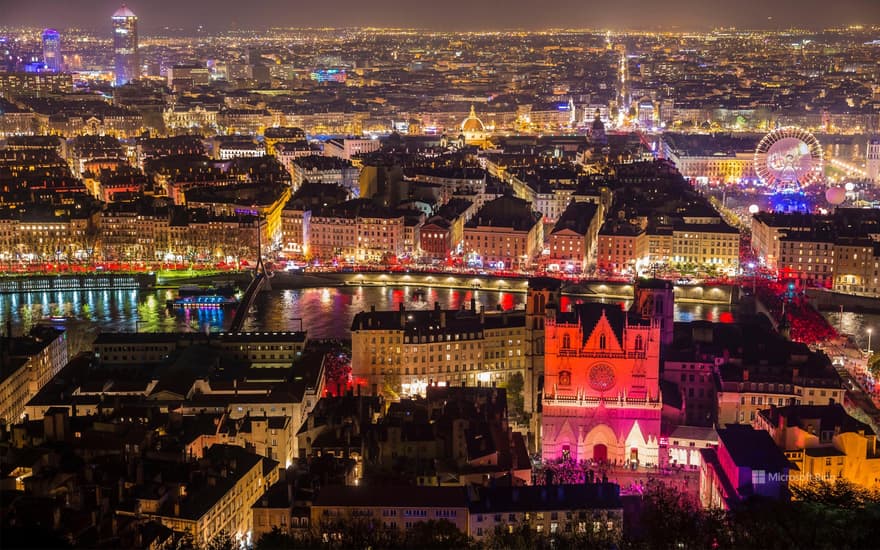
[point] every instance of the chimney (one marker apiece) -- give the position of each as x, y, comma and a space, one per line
482, 314
177, 508
443, 319
745, 375
795, 373
436, 306
473, 304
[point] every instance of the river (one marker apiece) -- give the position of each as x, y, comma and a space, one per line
324, 312
857, 325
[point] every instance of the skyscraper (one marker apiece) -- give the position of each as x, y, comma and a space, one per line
52, 50
873, 159
125, 46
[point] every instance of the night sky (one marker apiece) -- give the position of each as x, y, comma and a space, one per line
447, 14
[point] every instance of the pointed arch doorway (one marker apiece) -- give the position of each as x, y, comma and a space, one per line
600, 453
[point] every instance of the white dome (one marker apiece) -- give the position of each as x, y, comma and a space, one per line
124, 12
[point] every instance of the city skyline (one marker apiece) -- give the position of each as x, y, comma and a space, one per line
269, 284
457, 16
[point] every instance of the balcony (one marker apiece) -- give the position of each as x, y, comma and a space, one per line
568, 352
610, 402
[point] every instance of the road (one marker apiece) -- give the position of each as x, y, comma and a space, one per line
850, 363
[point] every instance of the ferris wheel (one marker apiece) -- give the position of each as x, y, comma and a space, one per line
789, 159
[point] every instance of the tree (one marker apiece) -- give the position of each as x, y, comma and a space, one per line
276, 539
351, 533
519, 537
874, 365
337, 371
392, 386
515, 386
436, 535
221, 541
671, 519
838, 492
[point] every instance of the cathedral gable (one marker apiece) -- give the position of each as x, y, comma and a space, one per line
602, 336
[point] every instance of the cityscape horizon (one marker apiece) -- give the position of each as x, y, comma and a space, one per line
395, 288
474, 16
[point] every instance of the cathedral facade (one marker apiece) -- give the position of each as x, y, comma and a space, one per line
601, 387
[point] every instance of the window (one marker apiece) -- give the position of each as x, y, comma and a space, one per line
564, 378
602, 341
639, 342
566, 341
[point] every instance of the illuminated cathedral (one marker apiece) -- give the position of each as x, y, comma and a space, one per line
473, 131
601, 380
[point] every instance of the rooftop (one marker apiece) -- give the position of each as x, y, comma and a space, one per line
123, 11
751, 448
364, 496
534, 498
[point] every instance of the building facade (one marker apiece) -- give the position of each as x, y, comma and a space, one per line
601, 385
28, 364
52, 50
125, 46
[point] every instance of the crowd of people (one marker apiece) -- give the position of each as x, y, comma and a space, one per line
805, 324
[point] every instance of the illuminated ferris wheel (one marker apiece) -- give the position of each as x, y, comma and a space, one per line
789, 159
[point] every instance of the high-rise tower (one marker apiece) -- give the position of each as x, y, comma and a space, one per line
52, 50
125, 46
655, 299
873, 159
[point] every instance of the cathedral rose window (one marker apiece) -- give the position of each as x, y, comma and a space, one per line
601, 377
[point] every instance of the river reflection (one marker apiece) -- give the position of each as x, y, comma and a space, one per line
323, 312
857, 325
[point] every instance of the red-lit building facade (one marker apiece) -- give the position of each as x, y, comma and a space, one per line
601, 390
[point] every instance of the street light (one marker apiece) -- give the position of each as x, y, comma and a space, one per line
751, 266
870, 331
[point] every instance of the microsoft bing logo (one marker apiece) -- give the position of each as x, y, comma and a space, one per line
759, 477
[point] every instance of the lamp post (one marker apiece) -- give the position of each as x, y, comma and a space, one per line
870, 331
754, 277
